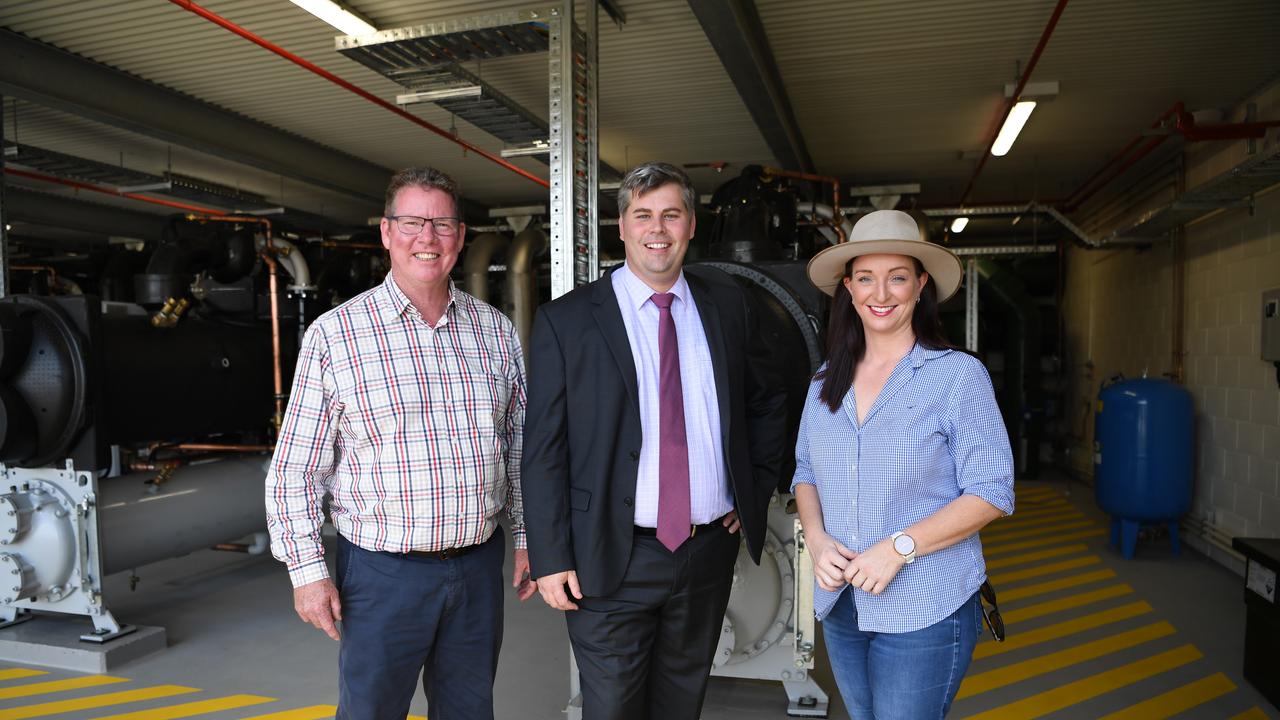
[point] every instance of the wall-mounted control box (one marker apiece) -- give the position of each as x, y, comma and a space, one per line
1271, 325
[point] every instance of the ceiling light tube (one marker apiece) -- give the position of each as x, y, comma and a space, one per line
334, 14
959, 224
1012, 126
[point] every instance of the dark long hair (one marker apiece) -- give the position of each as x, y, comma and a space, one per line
847, 341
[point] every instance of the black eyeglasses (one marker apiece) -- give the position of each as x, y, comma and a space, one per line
992, 616
414, 225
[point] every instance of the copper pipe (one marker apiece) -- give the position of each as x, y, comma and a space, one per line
218, 447
273, 289
338, 244
222, 217
109, 191
835, 185
53, 274
291, 57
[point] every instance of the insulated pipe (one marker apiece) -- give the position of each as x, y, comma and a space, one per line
834, 233
475, 266
267, 44
294, 262
522, 289
200, 505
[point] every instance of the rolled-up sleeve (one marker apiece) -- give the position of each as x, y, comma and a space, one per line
804, 467
979, 443
304, 462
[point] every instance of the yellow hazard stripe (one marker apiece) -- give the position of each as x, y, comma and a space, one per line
1010, 674
315, 712
1037, 555
200, 707
1070, 694
1178, 700
95, 701
1039, 571
1020, 639
1026, 591
53, 686
1067, 603
19, 673
1007, 547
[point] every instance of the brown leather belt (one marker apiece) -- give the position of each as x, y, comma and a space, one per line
446, 554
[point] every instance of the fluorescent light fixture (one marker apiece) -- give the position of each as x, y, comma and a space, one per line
334, 14
1012, 126
959, 224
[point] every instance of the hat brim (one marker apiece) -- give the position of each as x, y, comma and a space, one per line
826, 269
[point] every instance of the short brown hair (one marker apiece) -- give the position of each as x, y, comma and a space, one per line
651, 176
426, 178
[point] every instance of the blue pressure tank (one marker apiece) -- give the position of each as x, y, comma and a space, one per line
1144, 439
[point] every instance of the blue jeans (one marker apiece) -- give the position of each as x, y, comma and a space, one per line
900, 676
405, 616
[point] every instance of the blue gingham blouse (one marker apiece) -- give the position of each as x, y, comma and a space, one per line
933, 434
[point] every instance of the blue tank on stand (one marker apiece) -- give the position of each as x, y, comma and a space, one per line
1144, 440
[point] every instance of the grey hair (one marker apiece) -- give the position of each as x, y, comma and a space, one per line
651, 176
425, 178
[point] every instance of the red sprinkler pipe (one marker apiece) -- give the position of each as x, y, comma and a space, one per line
1017, 93
105, 191
1185, 124
267, 44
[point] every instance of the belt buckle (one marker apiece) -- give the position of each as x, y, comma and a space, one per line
693, 530
446, 553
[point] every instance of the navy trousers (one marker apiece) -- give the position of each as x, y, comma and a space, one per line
403, 616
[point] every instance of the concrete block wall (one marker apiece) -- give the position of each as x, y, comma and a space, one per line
1119, 318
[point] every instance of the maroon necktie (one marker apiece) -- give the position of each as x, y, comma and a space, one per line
673, 444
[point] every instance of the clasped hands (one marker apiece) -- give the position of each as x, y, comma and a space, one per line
835, 565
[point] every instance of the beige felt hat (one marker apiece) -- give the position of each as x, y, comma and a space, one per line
890, 232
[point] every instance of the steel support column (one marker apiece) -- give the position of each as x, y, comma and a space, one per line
971, 305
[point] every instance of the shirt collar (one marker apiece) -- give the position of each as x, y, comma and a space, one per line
394, 303
919, 354
637, 293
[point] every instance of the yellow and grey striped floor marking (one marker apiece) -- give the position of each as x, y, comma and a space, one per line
20, 673
199, 707
998, 535
1034, 556
1042, 570
51, 686
1021, 639
93, 701
1069, 602
1053, 588
1016, 672
1178, 700
1026, 591
1065, 696
1036, 519
315, 712
1007, 547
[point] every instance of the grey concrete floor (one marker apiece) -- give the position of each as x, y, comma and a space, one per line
232, 630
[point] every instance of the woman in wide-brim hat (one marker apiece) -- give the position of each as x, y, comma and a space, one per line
901, 459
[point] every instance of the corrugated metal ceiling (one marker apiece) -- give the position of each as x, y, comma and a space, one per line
883, 90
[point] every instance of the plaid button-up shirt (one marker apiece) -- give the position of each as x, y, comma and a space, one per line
933, 434
416, 431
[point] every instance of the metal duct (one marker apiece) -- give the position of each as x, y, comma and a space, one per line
475, 266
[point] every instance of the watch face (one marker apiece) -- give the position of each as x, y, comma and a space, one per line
904, 545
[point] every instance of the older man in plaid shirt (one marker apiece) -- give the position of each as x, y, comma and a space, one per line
408, 408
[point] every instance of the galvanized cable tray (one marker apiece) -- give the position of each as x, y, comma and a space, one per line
1231, 188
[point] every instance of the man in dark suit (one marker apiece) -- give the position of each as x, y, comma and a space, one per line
654, 432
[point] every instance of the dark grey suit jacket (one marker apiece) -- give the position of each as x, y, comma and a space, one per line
582, 430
